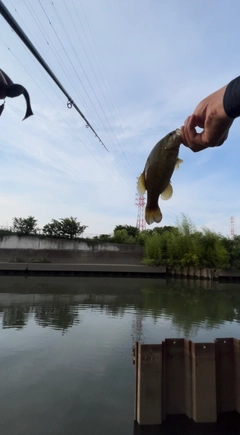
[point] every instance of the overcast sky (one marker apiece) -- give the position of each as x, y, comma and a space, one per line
136, 69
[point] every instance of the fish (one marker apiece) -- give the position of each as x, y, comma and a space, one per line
12, 90
157, 173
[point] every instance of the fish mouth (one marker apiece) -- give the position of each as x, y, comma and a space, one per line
178, 132
175, 140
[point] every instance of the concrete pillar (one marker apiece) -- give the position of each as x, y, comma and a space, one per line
188, 377
135, 362
225, 375
184, 271
209, 273
177, 271
204, 273
237, 372
204, 383
191, 272
174, 376
149, 390
197, 273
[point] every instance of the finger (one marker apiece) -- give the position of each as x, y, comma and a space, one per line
186, 120
184, 139
191, 138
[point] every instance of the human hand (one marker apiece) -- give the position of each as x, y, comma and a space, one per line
211, 116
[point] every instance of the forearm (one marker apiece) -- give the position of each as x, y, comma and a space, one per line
231, 99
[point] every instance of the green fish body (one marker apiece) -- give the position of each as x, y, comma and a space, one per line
157, 173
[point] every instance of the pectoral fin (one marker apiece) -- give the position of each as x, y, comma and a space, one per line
141, 184
178, 163
167, 193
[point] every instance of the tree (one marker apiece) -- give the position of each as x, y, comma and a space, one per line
103, 237
53, 229
161, 230
65, 227
131, 231
71, 228
25, 226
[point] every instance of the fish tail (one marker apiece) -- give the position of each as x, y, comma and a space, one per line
29, 111
153, 215
15, 90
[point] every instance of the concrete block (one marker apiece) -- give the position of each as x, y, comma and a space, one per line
174, 376
188, 377
149, 390
204, 383
237, 372
225, 375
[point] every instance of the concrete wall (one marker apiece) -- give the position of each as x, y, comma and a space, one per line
28, 242
36, 249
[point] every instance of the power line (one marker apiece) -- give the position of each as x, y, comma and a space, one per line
86, 54
119, 164
35, 15
117, 110
21, 34
117, 181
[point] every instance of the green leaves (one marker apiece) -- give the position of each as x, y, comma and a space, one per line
186, 247
25, 226
65, 227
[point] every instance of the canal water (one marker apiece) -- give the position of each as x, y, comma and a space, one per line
66, 346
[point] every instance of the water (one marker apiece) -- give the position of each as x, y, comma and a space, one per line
66, 346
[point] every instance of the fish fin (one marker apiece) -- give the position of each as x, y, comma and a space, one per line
153, 215
1, 108
141, 184
167, 193
29, 111
178, 163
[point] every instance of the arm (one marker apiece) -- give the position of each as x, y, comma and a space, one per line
231, 99
215, 114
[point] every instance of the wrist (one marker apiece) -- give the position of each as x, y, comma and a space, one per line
231, 99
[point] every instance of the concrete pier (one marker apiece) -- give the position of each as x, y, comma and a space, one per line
204, 406
149, 383
201, 380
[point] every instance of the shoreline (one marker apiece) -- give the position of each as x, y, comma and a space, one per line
115, 270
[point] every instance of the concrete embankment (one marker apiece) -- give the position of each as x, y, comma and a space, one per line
204, 273
60, 269
35, 255
27, 249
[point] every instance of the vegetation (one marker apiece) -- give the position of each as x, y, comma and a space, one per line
186, 247
25, 226
63, 228
68, 227
173, 247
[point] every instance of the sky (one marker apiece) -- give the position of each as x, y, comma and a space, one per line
136, 69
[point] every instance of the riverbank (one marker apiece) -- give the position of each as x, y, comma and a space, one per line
115, 270
38, 256
60, 269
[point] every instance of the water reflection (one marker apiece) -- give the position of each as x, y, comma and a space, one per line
58, 303
66, 346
